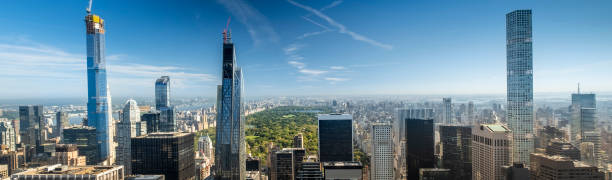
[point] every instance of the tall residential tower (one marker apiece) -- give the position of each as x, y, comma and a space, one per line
520, 83
162, 92
230, 154
98, 95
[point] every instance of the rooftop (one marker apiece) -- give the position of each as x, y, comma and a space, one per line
164, 135
496, 127
335, 116
58, 169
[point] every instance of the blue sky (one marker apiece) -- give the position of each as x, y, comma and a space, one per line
327, 47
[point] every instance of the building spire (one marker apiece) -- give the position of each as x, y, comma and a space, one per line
578, 88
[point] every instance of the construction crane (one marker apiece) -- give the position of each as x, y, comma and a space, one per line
89, 8
226, 35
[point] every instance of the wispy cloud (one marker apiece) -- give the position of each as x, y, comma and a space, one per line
256, 23
297, 64
334, 80
337, 68
341, 28
313, 72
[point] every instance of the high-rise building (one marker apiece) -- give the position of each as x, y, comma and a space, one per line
129, 126
561, 168
298, 141
520, 83
230, 153
399, 134
470, 112
99, 112
335, 137
491, 150
419, 146
7, 135
562, 148
59, 171
456, 150
382, 152
167, 153
85, 139
283, 162
68, 154
30, 120
61, 120
162, 92
205, 147
167, 121
434, 174
583, 110
152, 119
447, 111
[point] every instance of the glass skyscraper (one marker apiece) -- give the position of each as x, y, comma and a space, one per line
98, 96
162, 92
335, 137
520, 83
230, 153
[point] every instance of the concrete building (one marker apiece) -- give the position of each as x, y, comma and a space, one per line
298, 141
61, 120
544, 167
562, 148
85, 139
68, 154
58, 171
8, 135
516, 172
310, 171
491, 150
434, 174
382, 152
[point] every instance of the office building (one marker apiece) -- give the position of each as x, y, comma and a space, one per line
86, 142
167, 153
382, 152
456, 150
152, 119
350, 170
12, 160
205, 147
68, 154
399, 134
146, 177
298, 141
583, 111
30, 122
230, 152
310, 171
162, 92
61, 120
434, 174
335, 137
167, 121
252, 164
562, 148
419, 146
58, 171
519, 112
447, 111
99, 112
491, 150
7, 135
283, 162
129, 126
544, 167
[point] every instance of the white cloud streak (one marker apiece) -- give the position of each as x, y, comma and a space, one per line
341, 28
337, 68
257, 24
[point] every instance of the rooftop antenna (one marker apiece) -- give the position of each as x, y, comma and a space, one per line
89, 7
226, 33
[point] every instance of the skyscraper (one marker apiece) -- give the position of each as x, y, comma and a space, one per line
205, 147
520, 83
129, 126
456, 150
583, 115
419, 146
399, 134
382, 152
491, 150
61, 118
85, 139
167, 153
98, 95
230, 154
335, 137
30, 120
7, 135
162, 92
447, 111
298, 141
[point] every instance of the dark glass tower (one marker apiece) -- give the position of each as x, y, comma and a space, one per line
520, 83
335, 137
456, 152
30, 121
162, 92
230, 154
171, 154
419, 146
98, 96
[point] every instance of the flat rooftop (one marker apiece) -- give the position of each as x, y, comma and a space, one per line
68, 170
335, 116
496, 128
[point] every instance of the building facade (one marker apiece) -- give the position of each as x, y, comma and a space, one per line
419, 146
99, 112
167, 153
335, 137
30, 120
53, 172
544, 167
129, 126
519, 112
61, 120
7, 135
447, 111
382, 152
68, 154
456, 150
230, 153
162, 92
491, 151
85, 139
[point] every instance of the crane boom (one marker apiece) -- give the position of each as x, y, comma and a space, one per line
89, 7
